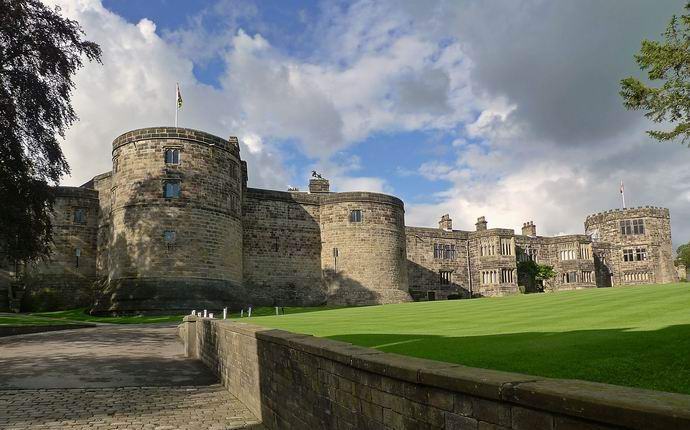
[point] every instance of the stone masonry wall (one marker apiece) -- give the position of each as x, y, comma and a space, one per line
179, 252
363, 262
424, 267
658, 267
295, 381
282, 248
65, 280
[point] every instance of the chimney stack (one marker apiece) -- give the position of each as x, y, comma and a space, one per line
446, 223
481, 223
529, 229
319, 185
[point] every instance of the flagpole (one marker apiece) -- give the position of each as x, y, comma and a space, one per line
176, 104
623, 193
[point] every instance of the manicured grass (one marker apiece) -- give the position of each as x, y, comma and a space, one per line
633, 336
271, 311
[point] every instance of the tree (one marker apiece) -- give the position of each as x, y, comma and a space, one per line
39, 53
683, 255
668, 62
535, 274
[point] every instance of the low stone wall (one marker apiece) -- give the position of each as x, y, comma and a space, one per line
295, 381
14, 330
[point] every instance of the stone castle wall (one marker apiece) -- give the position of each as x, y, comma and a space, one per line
656, 240
65, 280
282, 248
363, 262
182, 251
296, 381
221, 244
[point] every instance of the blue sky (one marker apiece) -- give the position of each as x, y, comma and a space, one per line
507, 109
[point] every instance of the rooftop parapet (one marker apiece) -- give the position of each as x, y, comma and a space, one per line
231, 144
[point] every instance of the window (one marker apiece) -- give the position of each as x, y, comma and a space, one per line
487, 248
587, 276
438, 250
234, 204
638, 226
640, 254
629, 227
568, 253
445, 277
171, 189
77, 253
628, 255
80, 215
172, 156
636, 276
506, 247
444, 252
506, 276
169, 236
431, 295
356, 215
569, 277
489, 277
585, 252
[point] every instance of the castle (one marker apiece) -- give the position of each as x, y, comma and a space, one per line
173, 226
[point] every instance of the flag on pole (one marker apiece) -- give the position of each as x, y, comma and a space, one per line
623, 193
179, 97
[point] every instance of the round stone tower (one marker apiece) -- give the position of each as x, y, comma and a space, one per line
635, 244
176, 239
363, 254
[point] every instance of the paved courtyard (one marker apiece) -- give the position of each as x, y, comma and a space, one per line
111, 377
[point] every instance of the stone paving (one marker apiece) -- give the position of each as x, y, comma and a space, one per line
111, 377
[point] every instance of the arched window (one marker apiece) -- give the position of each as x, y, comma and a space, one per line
171, 189
172, 156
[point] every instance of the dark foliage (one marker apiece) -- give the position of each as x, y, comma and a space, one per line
39, 53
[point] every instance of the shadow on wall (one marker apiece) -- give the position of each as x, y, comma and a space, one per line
149, 267
345, 291
422, 281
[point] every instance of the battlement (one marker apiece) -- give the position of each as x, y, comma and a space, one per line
178, 133
655, 211
80, 192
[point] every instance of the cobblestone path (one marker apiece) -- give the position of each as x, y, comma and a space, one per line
111, 377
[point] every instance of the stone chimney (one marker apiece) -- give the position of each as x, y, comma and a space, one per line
446, 223
529, 229
319, 185
481, 223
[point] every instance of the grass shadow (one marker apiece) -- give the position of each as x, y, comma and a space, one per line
655, 359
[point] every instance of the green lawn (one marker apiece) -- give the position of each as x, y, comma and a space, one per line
634, 336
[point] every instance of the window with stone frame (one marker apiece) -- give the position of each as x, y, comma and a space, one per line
569, 277
640, 254
449, 252
356, 215
628, 254
171, 189
445, 277
80, 215
438, 251
172, 156
631, 227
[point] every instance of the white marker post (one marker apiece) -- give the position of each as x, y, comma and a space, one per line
205, 313
242, 313
249, 313
225, 313
210, 315
193, 313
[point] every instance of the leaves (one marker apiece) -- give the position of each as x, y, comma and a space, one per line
39, 53
669, 62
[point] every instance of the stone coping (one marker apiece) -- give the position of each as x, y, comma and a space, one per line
179, 133
15, 330
617, 405
324, 198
